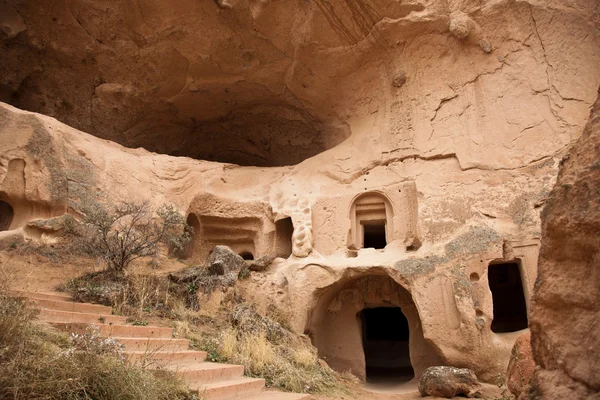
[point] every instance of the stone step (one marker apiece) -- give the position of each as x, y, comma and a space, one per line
231, 389
77, 317
277, 396
182, 358
153, 344
209, 372
121, 331
71, 306
41, 295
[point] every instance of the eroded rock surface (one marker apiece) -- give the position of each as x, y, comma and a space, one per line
273, 83
521, 365
566, 302
449, 382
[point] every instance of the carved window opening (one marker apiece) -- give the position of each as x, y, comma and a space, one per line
284, 229
385, 339
371, 218
374, 234
6, 215
510, 308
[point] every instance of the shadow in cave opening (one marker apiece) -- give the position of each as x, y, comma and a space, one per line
385, 336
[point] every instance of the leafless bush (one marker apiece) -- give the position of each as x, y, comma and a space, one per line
130, 231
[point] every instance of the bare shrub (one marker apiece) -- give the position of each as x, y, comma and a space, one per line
129, 231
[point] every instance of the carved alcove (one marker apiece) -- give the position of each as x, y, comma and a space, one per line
371, 218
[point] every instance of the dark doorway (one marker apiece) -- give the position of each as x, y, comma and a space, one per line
193, 222
510, 309
6, 215
385, 342
374, 235
246, 255
284, 229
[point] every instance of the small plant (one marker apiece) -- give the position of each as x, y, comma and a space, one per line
244, 273
130, 231
92, 342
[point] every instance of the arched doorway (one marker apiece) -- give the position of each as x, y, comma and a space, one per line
371, 217
370, 326
6, 215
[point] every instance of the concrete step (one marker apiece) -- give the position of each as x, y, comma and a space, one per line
231, 389
181, 358
153, 344
277, 396
77, 317
71, 306
208, 372
121, 331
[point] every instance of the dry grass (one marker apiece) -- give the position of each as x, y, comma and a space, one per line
37, 363
268, 350
134, 295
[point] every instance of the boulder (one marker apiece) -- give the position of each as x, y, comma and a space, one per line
521, 365
449, 382
223, 261
188, 275
260, 264
52, 225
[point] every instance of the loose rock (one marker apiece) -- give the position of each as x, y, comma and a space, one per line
223, 260
521, 365
449, 382
260, 264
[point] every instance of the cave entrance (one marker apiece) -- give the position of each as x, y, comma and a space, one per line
510, 309
362, 325
385, 337
374, 235
246, 255
6, 215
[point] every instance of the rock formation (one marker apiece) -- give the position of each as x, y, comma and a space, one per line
394, 156
566, 303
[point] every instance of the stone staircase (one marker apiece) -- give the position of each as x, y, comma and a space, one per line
156, 345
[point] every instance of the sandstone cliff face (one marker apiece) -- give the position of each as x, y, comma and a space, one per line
268, 83
566, 302
452, 115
